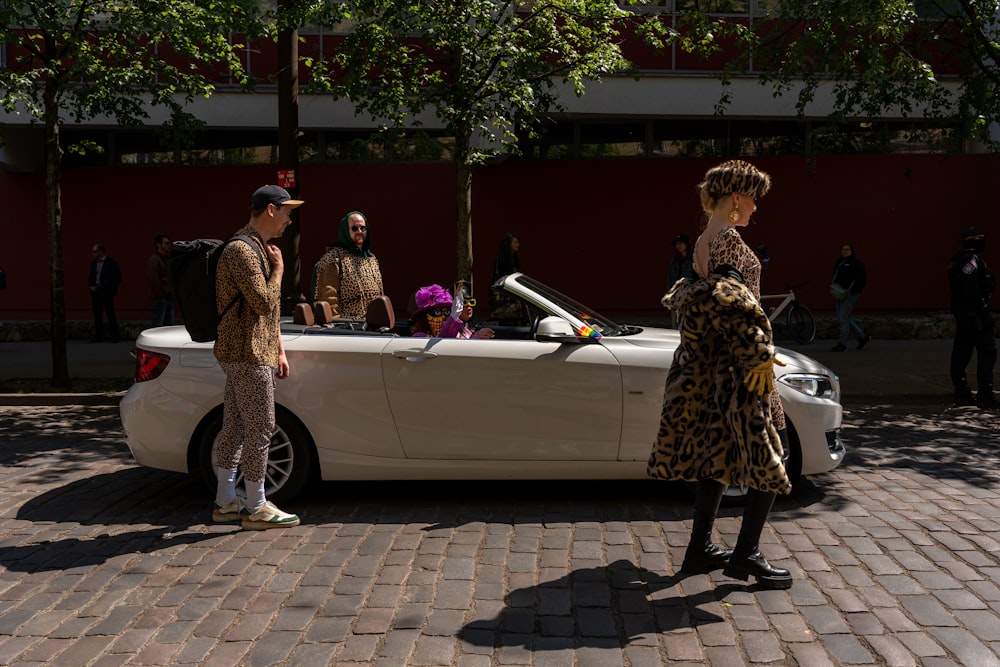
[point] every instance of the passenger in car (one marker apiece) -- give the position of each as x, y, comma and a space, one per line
438, 315
348, 276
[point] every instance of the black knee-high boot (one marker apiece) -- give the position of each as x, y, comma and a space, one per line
702, 556
747, 558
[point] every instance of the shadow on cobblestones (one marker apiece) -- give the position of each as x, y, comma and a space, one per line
142, 511
941, 443
147, 510
578, 610
54, 445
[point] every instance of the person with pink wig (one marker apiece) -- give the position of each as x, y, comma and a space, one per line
438, 315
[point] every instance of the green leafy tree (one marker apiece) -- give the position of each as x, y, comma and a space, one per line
881, 57
491, 71
82, 59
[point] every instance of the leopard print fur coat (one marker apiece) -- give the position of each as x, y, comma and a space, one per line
711, 426
347, 282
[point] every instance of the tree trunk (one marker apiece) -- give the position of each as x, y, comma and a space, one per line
53, 195
463, 208
288, 158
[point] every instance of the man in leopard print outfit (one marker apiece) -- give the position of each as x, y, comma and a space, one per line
250, 352
347, 276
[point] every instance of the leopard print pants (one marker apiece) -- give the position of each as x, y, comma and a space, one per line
247, 419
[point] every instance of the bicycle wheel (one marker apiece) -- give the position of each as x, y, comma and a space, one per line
801, 323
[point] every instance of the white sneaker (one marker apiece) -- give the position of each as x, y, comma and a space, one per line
231, 512
268, 516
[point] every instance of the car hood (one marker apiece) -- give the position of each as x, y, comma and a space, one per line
669, 339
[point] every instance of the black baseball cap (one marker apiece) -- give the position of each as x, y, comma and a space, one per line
272, 194
972, 233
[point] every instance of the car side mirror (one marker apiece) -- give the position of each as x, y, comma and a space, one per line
557, 330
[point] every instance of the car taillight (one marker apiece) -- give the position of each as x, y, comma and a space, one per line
149, 365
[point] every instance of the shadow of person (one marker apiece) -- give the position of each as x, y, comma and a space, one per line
597, 607
141, 510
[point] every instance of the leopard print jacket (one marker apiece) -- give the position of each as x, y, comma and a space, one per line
249, 332
711, 426
348, 282
728, 247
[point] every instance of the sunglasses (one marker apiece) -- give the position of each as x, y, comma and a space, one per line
439, 312
358, 228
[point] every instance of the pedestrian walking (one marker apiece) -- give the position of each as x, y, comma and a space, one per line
972, 285
717, 426
161, 300
850, 277
105, 277
681, 266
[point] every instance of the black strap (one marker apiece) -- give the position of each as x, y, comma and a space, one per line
263, 269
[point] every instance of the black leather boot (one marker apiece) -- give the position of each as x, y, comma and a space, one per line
702, 556
746, 558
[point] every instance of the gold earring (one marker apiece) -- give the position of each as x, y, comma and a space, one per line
734, 215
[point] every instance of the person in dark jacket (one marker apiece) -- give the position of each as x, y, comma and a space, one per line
505, 308
849, 273
972, 285
681, 266
105, 277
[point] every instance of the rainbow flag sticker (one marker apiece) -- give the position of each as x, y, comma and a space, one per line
588, 332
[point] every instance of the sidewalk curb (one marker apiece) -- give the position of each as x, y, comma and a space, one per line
9, 400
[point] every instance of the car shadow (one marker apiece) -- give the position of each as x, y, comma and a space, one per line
599, 607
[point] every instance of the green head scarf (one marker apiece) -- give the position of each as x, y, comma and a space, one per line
345, 241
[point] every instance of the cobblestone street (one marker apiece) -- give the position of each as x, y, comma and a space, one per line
896, 559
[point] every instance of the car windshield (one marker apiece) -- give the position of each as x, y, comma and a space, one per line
591, 318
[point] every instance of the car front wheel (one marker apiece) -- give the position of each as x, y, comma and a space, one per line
289, 457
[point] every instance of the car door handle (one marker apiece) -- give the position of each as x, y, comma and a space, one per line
413, 355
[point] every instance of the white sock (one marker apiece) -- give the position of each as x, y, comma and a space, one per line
225, 493
255, 495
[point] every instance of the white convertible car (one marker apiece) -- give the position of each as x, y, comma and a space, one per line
562, 393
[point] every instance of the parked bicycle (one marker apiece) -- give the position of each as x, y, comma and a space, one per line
799, 319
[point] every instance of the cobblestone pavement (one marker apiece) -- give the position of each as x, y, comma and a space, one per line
896, 558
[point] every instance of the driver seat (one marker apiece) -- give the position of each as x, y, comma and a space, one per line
379, 315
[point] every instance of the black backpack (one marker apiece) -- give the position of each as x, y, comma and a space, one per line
192, 266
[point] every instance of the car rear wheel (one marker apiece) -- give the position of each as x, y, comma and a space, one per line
289, 458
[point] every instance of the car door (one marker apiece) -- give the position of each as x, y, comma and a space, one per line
504, 399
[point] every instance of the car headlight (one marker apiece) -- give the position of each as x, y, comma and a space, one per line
809, 384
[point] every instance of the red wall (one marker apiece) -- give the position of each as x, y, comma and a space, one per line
600, 231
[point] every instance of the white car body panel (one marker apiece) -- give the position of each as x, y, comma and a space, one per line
386, 407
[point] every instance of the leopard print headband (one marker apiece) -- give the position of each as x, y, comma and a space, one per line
736, 176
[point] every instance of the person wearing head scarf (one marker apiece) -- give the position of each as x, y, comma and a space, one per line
437, 315
347, 276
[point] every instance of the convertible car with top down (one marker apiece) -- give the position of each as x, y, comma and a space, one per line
560, 392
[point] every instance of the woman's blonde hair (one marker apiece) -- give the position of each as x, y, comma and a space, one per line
737, 176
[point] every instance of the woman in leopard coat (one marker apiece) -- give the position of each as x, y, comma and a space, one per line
713, 430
